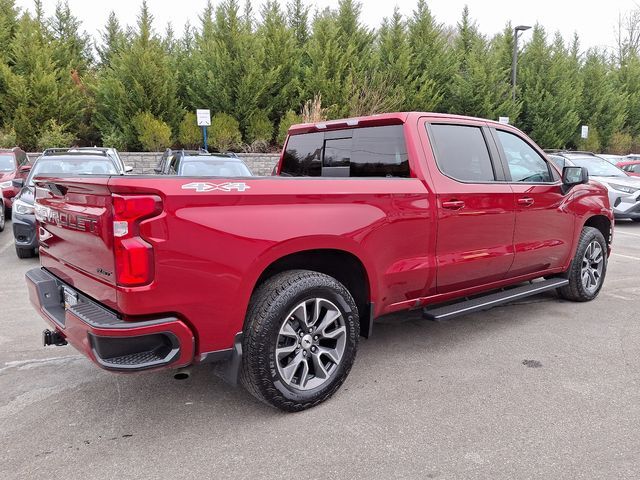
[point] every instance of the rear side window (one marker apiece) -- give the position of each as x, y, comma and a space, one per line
380, 152
359, 152
461, 153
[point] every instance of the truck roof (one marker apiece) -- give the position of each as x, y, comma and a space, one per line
395, 118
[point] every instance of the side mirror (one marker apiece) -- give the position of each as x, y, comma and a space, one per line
157, 170
572, 176
24, 169
128, 168
17, 182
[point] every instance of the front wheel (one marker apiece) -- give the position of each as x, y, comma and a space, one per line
588, 268
2, 217
300, 339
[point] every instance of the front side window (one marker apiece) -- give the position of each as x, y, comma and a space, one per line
525, 164
461, 153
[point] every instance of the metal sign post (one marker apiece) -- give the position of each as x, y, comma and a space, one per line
204, 121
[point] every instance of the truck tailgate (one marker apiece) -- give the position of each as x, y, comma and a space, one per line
76, 234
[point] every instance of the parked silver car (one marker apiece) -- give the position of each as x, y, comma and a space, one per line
613, 159
624, 191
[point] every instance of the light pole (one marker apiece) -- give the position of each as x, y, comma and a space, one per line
514, 66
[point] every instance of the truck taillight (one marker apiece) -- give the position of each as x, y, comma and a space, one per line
133, 255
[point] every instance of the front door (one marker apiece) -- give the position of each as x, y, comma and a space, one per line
544, 229
475, 207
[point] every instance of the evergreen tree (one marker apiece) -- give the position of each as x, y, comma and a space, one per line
37, 90
8, 26
113, 40
327, 66
280, 61
602, 104
394, 56
628, 77
298, 19
431, 60
71, 47
140, 79
550, 97
480, 87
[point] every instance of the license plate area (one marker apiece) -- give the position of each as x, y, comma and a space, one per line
69, 298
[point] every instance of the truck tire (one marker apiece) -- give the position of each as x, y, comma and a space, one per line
25, 252
588, 268
300, 339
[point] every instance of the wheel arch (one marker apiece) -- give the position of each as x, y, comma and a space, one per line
603, 224
342, 265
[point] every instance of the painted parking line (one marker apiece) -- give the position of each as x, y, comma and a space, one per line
619, 232
626, 256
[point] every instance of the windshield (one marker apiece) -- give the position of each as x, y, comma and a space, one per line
213, 168
71, 166
7, 163
598, 167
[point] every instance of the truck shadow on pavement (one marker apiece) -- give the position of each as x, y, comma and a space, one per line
398, 342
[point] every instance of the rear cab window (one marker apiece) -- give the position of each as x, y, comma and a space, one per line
358, 152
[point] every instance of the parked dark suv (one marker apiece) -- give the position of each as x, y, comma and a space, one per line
201, 164
14, 164
56, 163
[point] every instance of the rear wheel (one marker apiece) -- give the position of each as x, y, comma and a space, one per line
588, 268
300, 339
25, 252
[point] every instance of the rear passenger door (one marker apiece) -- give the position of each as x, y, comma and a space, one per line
475, 206
544, 229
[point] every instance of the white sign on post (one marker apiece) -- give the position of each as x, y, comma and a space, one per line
204, 118
504, 120
584, 133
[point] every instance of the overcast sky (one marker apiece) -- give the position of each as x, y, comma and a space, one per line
594, 21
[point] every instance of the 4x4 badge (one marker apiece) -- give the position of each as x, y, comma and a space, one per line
210, 187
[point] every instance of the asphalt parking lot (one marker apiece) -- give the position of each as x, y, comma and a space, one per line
541, 389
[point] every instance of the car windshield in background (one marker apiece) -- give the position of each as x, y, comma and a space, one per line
598, 167
7, 163
72, 166
202, 167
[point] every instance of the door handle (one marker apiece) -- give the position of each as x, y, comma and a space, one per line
526, 201
453, 204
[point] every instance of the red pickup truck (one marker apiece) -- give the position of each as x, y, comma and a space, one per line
277, 277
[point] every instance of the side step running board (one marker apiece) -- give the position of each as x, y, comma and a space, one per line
491, 300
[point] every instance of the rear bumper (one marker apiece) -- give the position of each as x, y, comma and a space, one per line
101, 335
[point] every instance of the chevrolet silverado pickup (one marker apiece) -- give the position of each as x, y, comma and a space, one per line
276, 278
